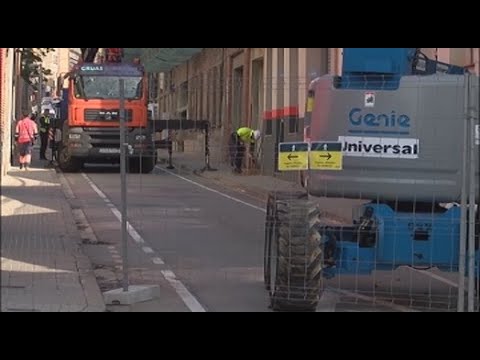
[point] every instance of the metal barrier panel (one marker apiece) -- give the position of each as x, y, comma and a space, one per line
405, 160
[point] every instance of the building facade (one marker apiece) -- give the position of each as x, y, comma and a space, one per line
59, 62
8, 64
263, 88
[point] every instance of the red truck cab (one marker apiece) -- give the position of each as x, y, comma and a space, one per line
91, 129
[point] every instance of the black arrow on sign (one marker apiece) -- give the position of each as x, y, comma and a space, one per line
329, 156
290, 157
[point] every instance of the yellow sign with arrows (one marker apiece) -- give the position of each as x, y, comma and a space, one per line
292, 156
326, 156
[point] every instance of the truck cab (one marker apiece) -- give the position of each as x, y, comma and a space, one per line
91, 122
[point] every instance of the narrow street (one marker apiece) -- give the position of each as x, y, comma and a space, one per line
376, 147
210, 239
212, 242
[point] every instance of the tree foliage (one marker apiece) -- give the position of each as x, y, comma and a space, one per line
31, 59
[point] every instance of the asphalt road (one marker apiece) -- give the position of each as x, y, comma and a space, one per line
213, 244
203, 244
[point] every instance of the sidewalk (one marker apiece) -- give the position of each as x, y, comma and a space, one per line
42, 266
256, 186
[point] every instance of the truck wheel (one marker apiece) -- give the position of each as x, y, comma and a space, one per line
66, 162
296, 257
147, 164
271, 228
144, 165
133, 166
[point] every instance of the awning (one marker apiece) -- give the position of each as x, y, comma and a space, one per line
160, 59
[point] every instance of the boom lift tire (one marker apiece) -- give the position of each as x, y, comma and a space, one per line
296, 257
270, 225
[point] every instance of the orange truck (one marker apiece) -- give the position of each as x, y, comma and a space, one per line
89, 119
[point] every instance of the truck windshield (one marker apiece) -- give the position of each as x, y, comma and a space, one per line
107, 87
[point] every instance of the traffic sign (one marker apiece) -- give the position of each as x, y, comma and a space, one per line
326, 156
293, 156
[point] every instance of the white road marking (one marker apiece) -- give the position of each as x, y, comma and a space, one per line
183, 292
147, 250
435, 276
95, 188
190, 301
213, 190
373, 300
134, 234
130, 229
158, 261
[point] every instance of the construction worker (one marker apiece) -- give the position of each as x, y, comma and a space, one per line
237, 144
26, 133
45, 124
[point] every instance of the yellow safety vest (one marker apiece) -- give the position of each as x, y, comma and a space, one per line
47, 122
246, 135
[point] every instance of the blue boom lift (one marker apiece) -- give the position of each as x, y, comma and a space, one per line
400, 119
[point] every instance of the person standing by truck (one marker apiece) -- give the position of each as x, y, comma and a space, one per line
45, 124
26, 132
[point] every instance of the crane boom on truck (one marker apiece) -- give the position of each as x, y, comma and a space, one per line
90, 120
399, 120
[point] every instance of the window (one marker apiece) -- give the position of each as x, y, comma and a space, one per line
183, 96
107, 87
219, 86
293, 125
268, 127
154, 86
